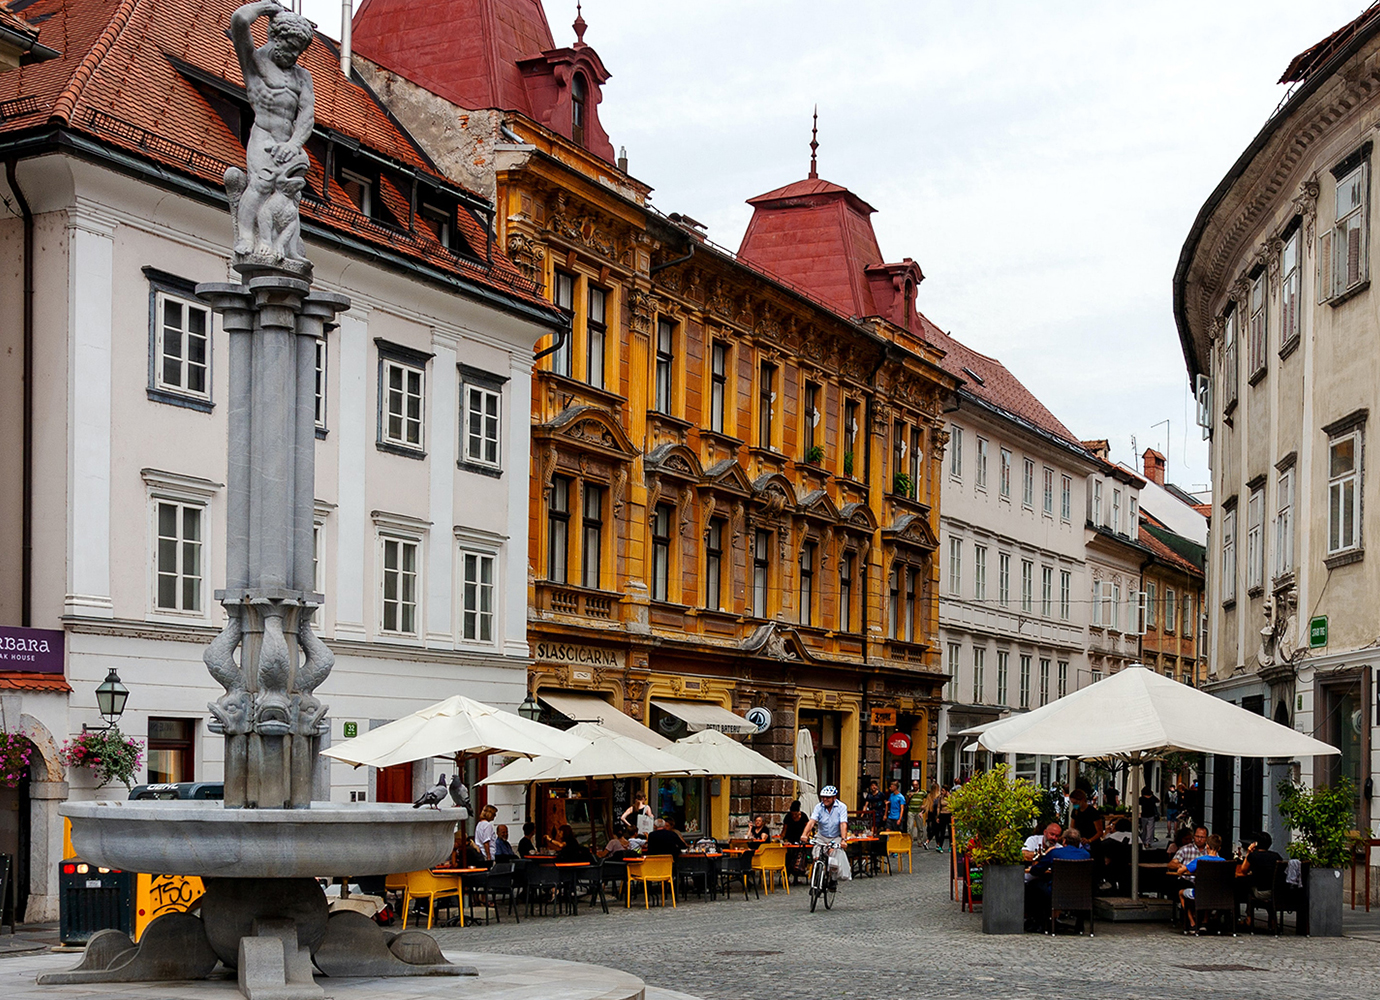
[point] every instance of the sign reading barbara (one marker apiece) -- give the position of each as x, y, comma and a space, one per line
561, 652
36, 650
899, 744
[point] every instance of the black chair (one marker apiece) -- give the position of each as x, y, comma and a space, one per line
1268, 899
737, 866
1214, 890
544, 884
697, 873
590, 880
498, 885
1071, 890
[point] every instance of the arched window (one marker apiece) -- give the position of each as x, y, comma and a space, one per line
579, 94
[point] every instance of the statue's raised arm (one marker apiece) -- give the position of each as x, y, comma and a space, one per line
264, 198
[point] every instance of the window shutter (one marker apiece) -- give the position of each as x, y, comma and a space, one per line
1353, 252
1324, 277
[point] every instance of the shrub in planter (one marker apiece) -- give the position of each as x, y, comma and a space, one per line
848, 463
901, 484
15, 753
108, 752
1321, 819
814, 455
994, 815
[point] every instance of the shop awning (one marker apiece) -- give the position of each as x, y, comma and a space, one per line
590, 708
705, 715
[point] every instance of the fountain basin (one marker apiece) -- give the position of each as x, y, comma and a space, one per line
206, 839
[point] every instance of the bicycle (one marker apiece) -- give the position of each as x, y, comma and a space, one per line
822, 883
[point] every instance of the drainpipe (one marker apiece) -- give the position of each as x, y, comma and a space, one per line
657, 268
27, 473
562, 334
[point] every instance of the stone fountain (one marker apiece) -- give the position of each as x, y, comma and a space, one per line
260, 851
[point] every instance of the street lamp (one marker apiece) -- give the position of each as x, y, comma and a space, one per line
529, 709
111, 696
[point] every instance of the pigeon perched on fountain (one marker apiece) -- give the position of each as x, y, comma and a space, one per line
433, 796
459, 793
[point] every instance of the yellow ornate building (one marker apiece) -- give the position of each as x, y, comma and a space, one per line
734, 494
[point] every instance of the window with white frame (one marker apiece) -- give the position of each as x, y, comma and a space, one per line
1116, 511
1028, 485
1230, 373
1027, 585
401, 569
1063, 688
665, 386
1284, 523
482, 418
1152, 598
1096, 675
718, 384
1097, 503
979, 668
1049, 492
1066, 498
761, 572
179, 527
558, 530
1047, 591
893, 606
1097, 603
1255, 540
662, 517
1044, 681
563, 290
181, 342
1133, 520
477, 596
592, 535
980, 473
1004, 475
807, 583
1114, 602
1187, 630
595, 334
1342, 251
1065, 593
1171, 609
1344, 493
955, 651
1025, 681
1257, 326
318, 567
1003, 670
1229, 553
955, 451
979, 572
402, 398
321, 383
1003, 579
956, 567
1291, 285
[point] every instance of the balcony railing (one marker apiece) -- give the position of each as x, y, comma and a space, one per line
582, 602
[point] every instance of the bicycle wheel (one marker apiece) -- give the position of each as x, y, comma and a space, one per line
814, 898
830, 887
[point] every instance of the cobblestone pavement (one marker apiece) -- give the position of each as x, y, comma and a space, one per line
900, 936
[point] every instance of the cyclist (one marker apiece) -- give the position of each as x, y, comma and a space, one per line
830, 818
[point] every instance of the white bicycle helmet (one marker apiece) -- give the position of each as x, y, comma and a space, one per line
828, 792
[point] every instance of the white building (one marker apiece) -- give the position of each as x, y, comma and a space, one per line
422, 456
1013, 606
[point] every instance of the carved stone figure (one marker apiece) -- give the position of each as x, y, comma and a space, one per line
265, 197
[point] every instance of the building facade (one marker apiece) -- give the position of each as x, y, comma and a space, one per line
736, 457
1277, 318
1172, 611
113, 211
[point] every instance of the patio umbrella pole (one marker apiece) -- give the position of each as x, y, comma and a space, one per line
1135, 829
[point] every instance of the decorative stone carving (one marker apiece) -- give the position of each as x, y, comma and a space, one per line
620, 489
738, 521
640, 304
719, 302
1279, 635
687, 496
527, 254
1306, 204
548, 470
707, 510
653, 496
265, 197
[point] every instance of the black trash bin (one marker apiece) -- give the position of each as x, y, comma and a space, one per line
92, 899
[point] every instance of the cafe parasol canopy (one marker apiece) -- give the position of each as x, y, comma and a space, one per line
720, 754
457, 727
604, 754
1135, 716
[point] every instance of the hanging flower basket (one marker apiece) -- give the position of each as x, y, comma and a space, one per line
109, 753
15, 752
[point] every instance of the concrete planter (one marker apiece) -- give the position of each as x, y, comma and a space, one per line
1003, 899
1324, 902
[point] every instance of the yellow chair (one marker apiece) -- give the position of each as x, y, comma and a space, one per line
656, 868
768, 861
900, 845
425, 885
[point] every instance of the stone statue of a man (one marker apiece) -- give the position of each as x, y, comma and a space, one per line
264, 198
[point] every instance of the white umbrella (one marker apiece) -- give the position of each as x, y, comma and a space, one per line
720, 754
805, 767
1136, 715
455, 727
605, 754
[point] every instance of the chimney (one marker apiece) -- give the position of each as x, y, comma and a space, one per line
1153, 466
623, 158
346, 60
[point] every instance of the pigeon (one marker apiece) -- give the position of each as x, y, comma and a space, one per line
433, 796
459, 794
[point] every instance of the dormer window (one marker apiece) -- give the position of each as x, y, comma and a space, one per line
441, 222
579, 95
360, 190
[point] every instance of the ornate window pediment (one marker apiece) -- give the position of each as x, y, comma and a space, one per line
587, 428
817, 505
774, 491
858, 517
674, 461
728, 475
913, 531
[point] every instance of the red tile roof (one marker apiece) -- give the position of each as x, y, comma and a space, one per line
1167, 555
466, 51
1302, 65
17, 24
116, 82
11, 680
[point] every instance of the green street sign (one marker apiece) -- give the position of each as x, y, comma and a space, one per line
1317, 632
351, 729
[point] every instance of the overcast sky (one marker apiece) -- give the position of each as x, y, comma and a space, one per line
1042, 161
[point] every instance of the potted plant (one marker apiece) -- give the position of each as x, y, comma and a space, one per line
901, 484
994, 814
848, 464
1321, 820
15, 752
814, 454
107, 752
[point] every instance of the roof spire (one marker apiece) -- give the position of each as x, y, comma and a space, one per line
814, 146
579, 25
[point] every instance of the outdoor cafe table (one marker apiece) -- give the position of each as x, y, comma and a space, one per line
701, 864
862, 852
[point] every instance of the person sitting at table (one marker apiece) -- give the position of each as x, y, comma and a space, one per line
503, 849
618, 847
571, 850
1041, 885
528, 844
793, 823
664, 840
1190, 851
1038, 844
1258, 866
1212, 849
759, 832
